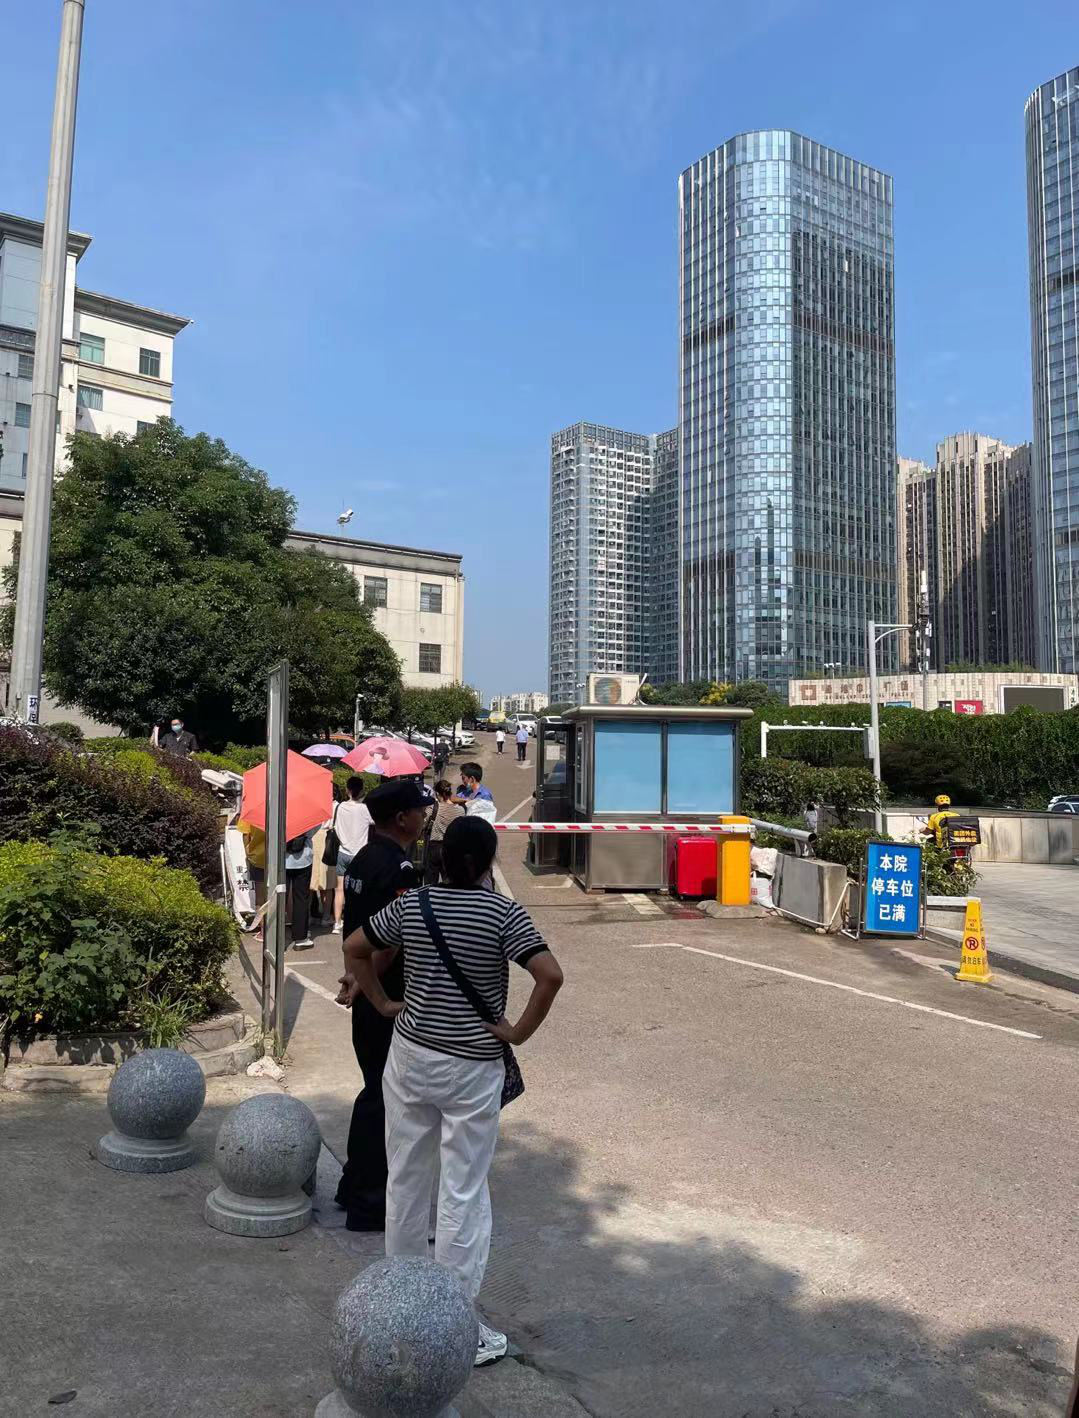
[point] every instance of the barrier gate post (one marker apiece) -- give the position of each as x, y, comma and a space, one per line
732, 878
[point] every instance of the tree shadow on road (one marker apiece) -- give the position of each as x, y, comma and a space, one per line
700, 1312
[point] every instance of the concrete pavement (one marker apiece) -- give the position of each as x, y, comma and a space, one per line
761, 1172
1031, 915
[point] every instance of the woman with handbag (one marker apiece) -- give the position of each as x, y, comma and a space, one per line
347, 834
451, 1067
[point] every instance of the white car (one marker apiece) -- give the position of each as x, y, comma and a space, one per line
525, 722
465, 737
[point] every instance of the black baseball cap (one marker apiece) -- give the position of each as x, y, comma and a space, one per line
389, 799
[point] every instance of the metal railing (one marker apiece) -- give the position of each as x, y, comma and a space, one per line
797, 835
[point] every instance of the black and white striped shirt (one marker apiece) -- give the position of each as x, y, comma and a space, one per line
484, 932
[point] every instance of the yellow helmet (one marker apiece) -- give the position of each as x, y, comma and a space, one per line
942, 800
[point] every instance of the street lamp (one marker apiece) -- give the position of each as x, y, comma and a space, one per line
874, 634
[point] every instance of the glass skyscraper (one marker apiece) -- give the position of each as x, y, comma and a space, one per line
787, 409
1052, 125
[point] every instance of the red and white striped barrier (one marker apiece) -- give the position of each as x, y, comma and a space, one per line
732, 829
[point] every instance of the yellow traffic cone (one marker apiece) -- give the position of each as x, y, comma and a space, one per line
974, 961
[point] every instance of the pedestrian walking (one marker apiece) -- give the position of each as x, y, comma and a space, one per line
299, 859
446, 1070
352, 823
177, 741
522, 743
500, 740
377, 874
446, 811
440, 756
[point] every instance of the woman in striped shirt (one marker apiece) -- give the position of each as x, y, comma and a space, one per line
443, 1081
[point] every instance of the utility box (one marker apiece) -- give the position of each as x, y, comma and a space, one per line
643, 763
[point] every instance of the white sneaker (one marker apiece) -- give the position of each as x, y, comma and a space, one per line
307, 944
492, 1346
338, 927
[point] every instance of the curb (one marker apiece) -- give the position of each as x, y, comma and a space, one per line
95, 1078
1043, 974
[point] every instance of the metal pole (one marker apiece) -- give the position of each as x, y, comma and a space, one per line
26, 650
874, 717
273, 949
764, 738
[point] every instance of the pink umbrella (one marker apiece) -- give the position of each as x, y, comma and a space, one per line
393, 758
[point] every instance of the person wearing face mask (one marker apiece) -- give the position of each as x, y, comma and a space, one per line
177, 740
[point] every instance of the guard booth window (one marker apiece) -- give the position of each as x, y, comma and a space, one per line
629, 767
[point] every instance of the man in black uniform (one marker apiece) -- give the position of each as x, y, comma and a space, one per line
377, 874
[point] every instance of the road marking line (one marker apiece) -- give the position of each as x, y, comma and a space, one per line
515, 810
312, 985
641, 904
866, 994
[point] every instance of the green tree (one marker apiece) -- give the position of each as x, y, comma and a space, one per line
171, 590
752, 694
431, 709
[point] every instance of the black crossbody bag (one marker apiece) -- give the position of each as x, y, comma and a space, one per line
514, 1085
332, 845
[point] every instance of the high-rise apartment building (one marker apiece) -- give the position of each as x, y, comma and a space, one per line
916, 533
966, 525
603, 553
1052, 141
787, 409
116, 357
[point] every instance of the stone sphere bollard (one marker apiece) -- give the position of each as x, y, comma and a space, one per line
266, 1149
153, 1099
403, 1342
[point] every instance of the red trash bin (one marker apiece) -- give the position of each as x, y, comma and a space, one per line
693, 869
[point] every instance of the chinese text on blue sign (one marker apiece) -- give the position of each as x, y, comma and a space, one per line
893, 888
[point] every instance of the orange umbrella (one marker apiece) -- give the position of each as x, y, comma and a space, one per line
308, 796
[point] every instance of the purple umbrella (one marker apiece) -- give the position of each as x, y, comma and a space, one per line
325, 750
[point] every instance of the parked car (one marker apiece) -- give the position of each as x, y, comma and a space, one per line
465, 737
1064, 802
527, 721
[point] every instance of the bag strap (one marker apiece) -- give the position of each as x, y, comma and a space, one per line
460, 979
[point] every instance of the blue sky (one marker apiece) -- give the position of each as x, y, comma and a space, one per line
417, 238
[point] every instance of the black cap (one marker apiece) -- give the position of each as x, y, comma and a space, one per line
389, 799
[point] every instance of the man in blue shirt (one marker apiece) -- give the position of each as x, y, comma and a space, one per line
472, 789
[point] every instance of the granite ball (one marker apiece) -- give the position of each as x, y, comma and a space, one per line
267, 1146
404, 1339
156, 1094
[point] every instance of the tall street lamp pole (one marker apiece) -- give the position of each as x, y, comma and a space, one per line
26, 647
874, 634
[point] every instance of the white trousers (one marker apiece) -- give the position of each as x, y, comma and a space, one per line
441, 1112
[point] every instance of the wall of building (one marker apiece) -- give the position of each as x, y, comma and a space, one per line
979, 691
403, 620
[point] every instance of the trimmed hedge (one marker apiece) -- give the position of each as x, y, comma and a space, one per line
1006, 760
137, 811
184, 772
775, 788
86, 939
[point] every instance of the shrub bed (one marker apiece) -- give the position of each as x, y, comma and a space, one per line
943, 875
96, 942
779, 788
130, 801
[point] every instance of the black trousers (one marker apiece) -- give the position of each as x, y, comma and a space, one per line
500, 746
299, 890
522, 750
362, 1189
432, 867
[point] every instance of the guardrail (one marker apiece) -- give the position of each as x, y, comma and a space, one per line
797, 835
727, 829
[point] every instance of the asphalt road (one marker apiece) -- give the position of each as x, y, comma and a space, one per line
760, 1173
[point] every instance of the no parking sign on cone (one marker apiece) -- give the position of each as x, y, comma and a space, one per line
974, 961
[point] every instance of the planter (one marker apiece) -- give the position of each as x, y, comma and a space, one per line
223, 1044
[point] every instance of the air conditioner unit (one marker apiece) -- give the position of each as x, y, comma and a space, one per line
613, 689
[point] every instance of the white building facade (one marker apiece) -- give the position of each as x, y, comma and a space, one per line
116, 357
416, 598
532, 701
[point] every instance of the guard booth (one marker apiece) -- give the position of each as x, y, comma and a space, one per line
632, 763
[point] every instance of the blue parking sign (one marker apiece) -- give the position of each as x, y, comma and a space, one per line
892, 901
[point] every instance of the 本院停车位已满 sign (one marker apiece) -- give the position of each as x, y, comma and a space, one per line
893, 888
